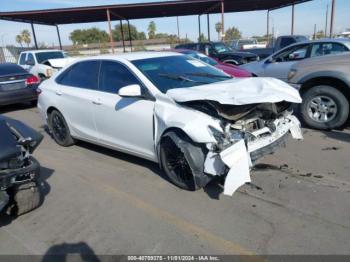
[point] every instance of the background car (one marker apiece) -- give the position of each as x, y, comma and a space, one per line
244, 44
276, 44
17, 85
43, 63
227, 68
279, 64
221, 52
324, 84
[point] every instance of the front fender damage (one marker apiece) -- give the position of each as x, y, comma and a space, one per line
232, 145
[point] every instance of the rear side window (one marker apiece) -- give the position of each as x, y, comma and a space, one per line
114, 76
286, 41
83, 75
22, 59
321, 49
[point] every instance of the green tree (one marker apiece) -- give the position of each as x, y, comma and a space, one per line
202, 38
135, 35
232, 33
218, 29
26, 38
19, 40
88, 36
152, 28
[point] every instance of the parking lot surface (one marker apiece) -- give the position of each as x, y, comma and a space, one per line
99, 201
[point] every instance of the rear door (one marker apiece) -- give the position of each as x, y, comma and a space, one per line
76, 95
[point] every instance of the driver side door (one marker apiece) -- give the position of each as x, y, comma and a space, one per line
279, 65
124, 123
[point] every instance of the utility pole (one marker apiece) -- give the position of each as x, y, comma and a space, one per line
178, 28
332, 19
325, 29
314, 31
292, 26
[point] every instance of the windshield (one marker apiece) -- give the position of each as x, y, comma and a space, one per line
178, 72
43, 56
203, 58
221, 48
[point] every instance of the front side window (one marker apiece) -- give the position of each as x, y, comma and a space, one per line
114, 76
22, 59
178, 72
82, 74
44, 56
321, 49
30, 59
294, 53
221, 48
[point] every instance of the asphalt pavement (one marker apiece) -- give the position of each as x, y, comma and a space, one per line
99, 201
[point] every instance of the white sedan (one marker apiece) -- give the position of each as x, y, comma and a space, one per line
194, 120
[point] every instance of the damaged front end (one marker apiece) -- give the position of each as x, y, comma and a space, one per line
19, 171
248, 132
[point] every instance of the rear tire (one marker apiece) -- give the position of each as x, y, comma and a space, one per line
324, 107
59, 129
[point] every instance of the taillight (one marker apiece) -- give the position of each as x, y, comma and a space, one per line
32, 80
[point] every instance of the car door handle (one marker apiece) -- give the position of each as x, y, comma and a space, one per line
59, 93
96, 102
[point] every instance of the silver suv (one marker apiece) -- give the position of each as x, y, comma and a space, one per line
324, 84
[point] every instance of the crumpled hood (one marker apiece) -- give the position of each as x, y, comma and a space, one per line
60, 62
239, 92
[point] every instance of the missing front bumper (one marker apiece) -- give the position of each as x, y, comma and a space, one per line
239, 157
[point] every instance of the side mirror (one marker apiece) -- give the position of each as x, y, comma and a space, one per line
130, 91
269, 60
29, 62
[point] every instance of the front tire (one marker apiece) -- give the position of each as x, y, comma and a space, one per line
324, 107
59, 129
183, 161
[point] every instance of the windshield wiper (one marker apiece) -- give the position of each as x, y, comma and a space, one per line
180, 78
208, 75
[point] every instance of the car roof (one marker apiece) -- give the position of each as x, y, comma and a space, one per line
135, 55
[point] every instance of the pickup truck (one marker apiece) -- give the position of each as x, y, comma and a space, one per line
277, 44
43, 63
244, 44
220, 52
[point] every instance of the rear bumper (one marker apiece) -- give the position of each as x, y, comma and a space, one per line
22, 175
18, 96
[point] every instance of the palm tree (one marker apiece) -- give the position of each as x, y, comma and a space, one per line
218, 28
19, 40
26, 37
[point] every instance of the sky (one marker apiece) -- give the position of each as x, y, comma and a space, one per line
249, 23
